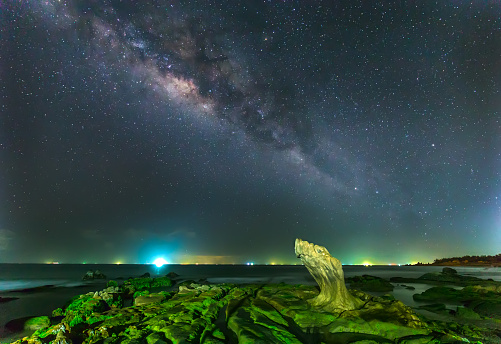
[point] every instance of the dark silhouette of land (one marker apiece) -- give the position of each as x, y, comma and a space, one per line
467, 261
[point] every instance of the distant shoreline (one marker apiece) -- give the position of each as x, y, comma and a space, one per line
478, 261
467, 261
495, 265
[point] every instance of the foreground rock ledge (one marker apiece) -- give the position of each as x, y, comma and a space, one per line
229, 313
328, 272
226, 313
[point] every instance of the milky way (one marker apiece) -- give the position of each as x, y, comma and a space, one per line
230, 128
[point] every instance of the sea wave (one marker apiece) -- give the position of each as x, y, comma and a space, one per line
13, 285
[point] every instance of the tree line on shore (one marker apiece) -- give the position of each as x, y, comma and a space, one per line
468, 260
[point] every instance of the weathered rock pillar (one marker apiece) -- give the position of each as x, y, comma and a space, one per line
328, 272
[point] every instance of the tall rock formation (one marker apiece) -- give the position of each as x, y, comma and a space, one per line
328, 272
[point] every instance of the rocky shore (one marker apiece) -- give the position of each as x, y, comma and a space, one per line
146, 310
159, 310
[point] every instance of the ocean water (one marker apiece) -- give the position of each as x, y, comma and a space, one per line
65, 280
21, 276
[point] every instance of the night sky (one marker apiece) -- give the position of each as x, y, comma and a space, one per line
219, 131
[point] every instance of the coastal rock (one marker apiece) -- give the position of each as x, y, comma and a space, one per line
82, 307
37, 323
92, 275
487, 304
62, 337
99, 275
111, 295
58, 312
449, 271
369, 283
487, 307
408, 287
258, 322
162, 282
448, 276
148, 299
89, 275
328, 273
467, 313
172, 275
134, 285
483, 289
434, 307
156, 338
7, 299
112, 283
224, 313
378, 317
440, 294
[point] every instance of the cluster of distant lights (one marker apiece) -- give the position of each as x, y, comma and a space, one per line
368, 264
159, 262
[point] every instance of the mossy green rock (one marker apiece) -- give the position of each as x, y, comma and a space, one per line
37, 323
142, 300
369, 283
161, 282
252, 326
156, 338
215, 314
112, 283
82, 308
145, 283
486, 303
449, 278
495, 288
487, 308
140, 283
466, 313
434, 307
86, 304
443, 294
58, 312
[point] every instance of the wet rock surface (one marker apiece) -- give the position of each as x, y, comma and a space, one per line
228, 313
449, 276
478, 300
369, 283
150, 310
93, 275
7, 299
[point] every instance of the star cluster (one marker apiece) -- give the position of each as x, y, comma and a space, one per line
227, 129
